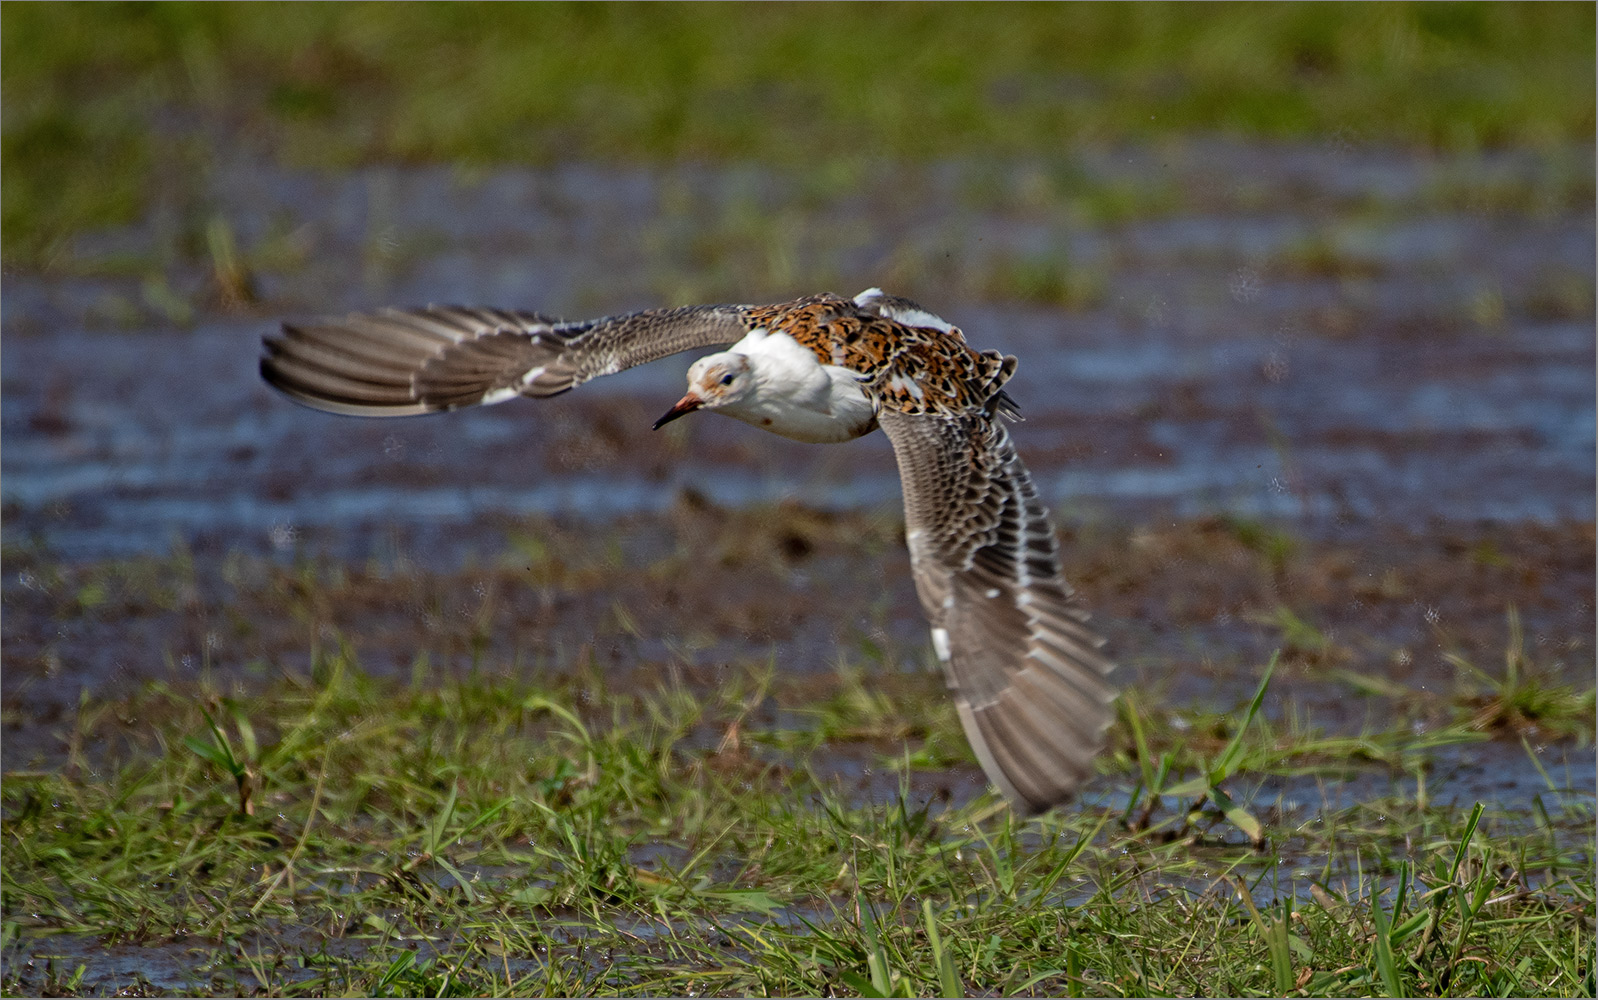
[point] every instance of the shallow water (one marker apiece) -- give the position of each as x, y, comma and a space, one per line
1416, 376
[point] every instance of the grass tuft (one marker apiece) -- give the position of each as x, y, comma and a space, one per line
1525, 697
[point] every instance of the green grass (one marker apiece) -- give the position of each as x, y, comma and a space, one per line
339, 833
107, 106
1525, 696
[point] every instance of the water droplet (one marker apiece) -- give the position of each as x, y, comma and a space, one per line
1245, 284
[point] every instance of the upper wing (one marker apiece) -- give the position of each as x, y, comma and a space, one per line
397, 362
902, 310
1026, 671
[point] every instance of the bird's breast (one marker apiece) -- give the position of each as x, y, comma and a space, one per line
841, 411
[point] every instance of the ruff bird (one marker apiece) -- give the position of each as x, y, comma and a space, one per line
1025, 670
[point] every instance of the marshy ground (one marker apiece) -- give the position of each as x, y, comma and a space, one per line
536, 700
707, 751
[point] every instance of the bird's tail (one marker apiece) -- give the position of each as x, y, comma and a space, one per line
995, 371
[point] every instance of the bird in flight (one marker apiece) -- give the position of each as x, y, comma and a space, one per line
1026, 671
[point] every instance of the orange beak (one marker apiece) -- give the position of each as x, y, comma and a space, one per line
685, 406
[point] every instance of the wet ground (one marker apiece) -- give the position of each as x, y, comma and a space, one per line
280, 955
1346, 387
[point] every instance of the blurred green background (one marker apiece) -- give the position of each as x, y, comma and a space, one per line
104, 101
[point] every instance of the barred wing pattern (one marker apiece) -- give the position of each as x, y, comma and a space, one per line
405, 361
1025, 670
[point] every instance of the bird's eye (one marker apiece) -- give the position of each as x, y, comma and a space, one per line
726, 380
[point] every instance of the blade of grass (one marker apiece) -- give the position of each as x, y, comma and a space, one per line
948, 982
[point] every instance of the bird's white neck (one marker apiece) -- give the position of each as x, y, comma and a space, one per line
797, 396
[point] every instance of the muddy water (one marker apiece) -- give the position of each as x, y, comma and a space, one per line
1388, 355
114, 444
1326, 337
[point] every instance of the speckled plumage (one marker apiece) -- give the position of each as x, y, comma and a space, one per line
1026, 671
909, 368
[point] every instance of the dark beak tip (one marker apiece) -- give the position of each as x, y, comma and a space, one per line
685, 406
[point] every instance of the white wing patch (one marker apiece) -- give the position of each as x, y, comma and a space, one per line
909, 317
898, 383
511, 391
501, 394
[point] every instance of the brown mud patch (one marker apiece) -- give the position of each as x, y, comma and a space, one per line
1192, 609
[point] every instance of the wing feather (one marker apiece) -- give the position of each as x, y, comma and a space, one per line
396, 362
1027, 675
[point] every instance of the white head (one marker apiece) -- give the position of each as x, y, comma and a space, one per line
714, 381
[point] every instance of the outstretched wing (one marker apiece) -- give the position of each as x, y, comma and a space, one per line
398, 362
1026, 671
